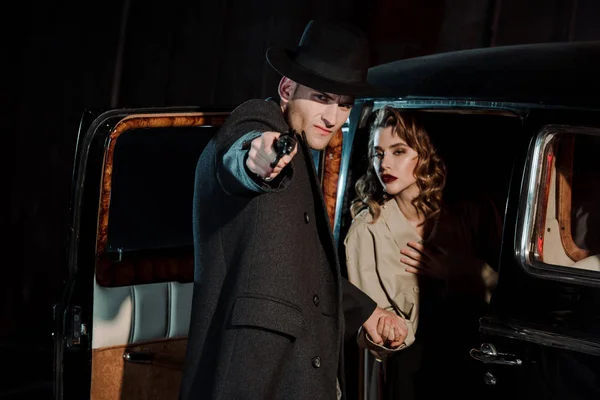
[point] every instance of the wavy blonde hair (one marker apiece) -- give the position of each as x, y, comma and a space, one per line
430, 171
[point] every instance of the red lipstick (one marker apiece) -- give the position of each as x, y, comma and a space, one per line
387, 178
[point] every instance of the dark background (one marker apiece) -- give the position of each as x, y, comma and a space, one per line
60, 58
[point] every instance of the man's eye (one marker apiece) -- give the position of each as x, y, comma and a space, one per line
321, 97
346, 106
398, 152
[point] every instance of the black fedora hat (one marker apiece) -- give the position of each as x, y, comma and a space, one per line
331, 56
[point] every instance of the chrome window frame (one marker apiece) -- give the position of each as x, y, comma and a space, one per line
524, 241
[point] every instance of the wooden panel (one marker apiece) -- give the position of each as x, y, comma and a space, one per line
564, 178
150, 266
540, 227
113, 378
331, 173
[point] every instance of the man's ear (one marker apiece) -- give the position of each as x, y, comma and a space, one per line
286, 88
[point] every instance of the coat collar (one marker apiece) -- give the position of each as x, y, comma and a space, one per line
401, 230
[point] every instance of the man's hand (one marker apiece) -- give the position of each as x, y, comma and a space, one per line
386, 328
261, 154
425, 260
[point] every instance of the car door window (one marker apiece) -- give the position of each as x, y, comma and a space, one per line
561, 214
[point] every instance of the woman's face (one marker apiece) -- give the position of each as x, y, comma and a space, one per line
394, 162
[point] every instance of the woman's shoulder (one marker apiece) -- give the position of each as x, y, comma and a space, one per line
366, 222
363, 216
361, 223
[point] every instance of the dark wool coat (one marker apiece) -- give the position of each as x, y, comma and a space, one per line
268, 315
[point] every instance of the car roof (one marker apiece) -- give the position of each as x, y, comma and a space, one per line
557, 74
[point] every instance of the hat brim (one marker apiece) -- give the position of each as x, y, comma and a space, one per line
282, 61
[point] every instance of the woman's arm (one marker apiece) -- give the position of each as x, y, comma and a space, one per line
363, 271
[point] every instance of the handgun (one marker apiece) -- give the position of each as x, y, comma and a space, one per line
284, 145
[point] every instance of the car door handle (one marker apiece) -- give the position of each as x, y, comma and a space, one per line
158, 360
487, 354
138, 357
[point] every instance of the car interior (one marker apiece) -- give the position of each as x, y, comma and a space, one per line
568, 220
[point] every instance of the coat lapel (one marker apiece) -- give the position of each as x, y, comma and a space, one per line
400, 229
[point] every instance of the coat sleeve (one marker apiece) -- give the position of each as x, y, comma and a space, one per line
489, 233
480, 267
363, 271
489, 236
357, 306
252, 117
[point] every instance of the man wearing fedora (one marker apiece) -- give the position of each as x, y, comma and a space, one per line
270, 309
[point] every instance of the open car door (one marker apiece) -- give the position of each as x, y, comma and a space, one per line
121, 326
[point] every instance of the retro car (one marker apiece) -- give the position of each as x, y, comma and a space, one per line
520, 124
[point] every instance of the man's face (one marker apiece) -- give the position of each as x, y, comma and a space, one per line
318, 114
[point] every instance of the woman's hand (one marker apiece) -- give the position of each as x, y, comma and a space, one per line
393, 330
424, 260
386, 328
